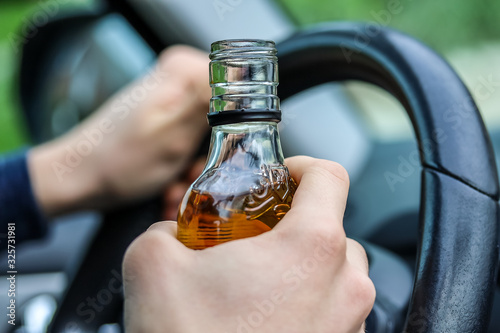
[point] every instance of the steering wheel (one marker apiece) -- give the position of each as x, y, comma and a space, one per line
457, 251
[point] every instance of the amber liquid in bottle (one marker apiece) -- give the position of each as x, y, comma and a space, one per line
245, 188
210, 219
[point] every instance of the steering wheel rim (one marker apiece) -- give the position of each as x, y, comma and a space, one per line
457, 251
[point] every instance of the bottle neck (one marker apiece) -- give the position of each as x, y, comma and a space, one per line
246, 145
244, 80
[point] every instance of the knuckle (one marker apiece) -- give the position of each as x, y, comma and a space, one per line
141, 251
333, 170
369, 294
363, 292
182, 57
175, 54
358, 247
131, 259
156, 225
367, 290
361, 252
330, 240
186, 66
323, 237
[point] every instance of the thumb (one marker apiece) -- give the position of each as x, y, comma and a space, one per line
167, 230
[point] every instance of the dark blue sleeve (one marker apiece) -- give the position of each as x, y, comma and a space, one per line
17, 202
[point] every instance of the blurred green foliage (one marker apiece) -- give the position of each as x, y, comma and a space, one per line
443, 24
12, 128
13, 15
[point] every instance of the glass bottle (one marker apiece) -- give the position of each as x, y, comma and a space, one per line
245, 189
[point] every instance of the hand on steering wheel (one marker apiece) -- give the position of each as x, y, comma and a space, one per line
134, 145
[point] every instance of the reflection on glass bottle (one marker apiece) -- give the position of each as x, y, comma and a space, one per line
245, 188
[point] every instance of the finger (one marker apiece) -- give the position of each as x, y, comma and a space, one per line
322, 192
356, 255
196, 169
189, 65
169, 228
150, 254
172, 198
167, 231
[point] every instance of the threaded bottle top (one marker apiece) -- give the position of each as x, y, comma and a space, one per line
244, 80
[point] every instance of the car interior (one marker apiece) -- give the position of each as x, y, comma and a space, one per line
423, 167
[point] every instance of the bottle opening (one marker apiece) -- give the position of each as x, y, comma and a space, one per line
244, 80
243, 48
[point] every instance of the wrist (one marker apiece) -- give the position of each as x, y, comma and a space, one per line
62, 181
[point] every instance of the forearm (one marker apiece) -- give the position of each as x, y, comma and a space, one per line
130, 148
61, 180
